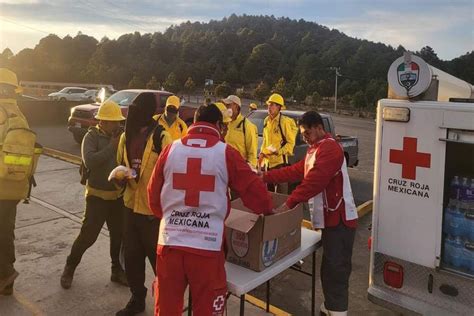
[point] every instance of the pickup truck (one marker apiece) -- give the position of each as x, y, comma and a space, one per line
350, 144
82, 116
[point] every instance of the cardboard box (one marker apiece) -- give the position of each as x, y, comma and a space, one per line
256, 241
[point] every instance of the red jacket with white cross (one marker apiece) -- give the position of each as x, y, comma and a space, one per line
242, 179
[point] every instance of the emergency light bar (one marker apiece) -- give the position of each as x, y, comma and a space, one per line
410, 76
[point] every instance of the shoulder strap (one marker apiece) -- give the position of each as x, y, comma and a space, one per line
283, 137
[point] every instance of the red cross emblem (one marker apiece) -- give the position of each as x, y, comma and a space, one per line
409, 158
193, 182
218, 303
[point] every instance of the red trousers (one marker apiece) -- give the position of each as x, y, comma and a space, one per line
175, 269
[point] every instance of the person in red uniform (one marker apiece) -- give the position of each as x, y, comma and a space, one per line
189, 192
325, 186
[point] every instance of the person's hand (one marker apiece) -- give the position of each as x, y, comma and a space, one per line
282, 208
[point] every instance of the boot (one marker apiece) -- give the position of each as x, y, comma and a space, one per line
5, 282
8, 290
118, 276
323, 311
135, 306
67, 276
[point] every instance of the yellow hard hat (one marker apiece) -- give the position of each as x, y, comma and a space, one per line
226, 113
109, 111
253, 106
9, 77
173, 100
278, 99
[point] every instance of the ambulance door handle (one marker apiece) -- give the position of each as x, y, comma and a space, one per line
456, 141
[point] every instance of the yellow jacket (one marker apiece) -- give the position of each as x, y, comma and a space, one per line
272, 135
242, 135
135, 196
177, 130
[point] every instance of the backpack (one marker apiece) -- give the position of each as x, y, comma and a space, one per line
158, 138
19, 152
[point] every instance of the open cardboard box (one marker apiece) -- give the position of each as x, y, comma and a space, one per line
256, 241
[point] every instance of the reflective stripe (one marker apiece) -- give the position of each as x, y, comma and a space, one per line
17, 160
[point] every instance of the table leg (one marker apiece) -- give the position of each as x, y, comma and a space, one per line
242, 305
190, 304
313, 285
268, 297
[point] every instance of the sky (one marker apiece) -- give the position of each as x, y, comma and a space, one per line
447, 26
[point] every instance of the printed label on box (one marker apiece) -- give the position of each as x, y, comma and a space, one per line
240, 243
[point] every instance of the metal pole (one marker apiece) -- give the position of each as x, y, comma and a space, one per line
335, 94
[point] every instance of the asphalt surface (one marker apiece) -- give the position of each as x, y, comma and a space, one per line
291, 290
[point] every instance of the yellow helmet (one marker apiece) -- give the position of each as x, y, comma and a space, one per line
109, 111
226, 113
173, 100
278, 99
252, 106
9, 77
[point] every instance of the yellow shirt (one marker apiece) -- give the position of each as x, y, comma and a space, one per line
135, 196
178, 128
242, 135
272, 136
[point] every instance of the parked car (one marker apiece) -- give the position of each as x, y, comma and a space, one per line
350, 144
90, 95
68, 94
82, 116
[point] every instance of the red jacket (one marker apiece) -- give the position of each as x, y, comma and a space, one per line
242, 179
322, 176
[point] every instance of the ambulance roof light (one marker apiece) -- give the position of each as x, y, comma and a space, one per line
409, 76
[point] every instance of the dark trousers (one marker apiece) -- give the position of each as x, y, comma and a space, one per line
281, 188
7, 237
98, 212
140, 242
336, 266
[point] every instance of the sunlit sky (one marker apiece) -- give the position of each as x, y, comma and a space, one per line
447, 26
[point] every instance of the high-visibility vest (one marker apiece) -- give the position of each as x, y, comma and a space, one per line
19, 152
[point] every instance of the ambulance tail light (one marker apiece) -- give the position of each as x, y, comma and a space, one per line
393, 274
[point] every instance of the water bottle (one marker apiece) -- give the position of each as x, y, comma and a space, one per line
469, 224
448, 217
448, 250
468, 257
457, 259
457, 222
455, 188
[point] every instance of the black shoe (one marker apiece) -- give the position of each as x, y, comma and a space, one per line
67, 276
8, 290
134, 306
118, 276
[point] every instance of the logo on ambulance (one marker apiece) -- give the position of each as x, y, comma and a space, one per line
408, 74
410, 158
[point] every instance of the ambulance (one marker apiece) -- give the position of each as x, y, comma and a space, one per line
422, 242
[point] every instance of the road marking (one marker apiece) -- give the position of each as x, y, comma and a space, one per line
30, 306
62, 155
263, 305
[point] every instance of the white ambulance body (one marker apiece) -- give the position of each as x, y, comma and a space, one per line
422, 250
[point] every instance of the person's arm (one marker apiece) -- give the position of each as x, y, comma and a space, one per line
327, 164
289, 129
156, 183
293, 173
251, 143
92, 156
121, 149
248, 185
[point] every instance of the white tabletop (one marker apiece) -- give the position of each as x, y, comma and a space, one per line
241, 280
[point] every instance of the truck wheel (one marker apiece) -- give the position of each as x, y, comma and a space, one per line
62, 99
346, 155
78, 137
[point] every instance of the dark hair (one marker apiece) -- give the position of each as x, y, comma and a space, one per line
140, 114
208, 113
311, 119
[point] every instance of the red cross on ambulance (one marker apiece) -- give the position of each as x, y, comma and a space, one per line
193, 182
410, 158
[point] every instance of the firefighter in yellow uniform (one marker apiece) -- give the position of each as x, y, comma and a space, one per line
138, 149
18, 160
170, 120
279, 136
226, 117
242, 133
